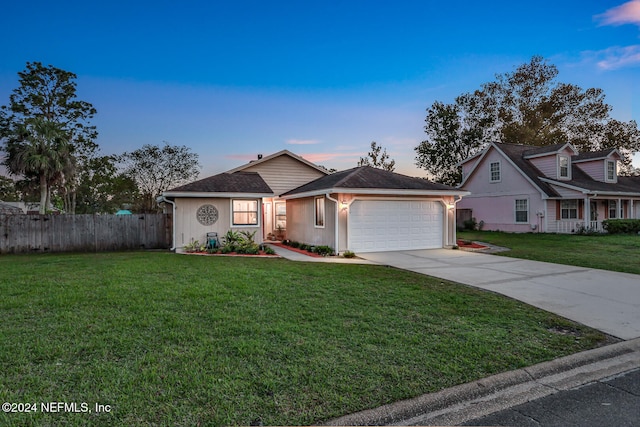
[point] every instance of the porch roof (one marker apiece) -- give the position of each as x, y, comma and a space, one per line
626, 185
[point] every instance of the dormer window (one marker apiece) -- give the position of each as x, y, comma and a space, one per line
563, 167
611, 171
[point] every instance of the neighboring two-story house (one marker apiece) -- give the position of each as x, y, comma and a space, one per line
521, 188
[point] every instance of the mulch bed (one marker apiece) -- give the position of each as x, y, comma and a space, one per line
262, 254
300, 251
465, 244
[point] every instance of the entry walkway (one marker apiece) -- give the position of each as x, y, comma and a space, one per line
605, 300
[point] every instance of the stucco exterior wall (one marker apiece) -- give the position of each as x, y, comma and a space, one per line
188, 229
284, 173
301, 222
494, 202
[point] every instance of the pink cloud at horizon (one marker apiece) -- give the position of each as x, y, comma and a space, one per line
626, 13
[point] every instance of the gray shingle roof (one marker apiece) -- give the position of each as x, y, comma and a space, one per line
367, 177
580, 179
6, 208
237, 182
593, 155
543, 150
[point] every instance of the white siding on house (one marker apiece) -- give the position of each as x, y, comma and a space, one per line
188, 228
301, 225
284, 173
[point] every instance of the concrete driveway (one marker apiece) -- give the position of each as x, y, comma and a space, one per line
604, 300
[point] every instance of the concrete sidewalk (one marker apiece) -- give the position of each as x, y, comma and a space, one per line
297, 256
605, 300
461, 404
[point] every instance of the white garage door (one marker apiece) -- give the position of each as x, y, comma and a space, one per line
384, 225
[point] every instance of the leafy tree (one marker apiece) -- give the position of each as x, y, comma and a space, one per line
8, 191
102, 188
156, 169
41, 151
528, 106
49, 94
377, 158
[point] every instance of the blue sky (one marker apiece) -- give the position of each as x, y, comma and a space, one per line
322, 79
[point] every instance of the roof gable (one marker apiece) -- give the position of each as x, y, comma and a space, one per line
278, 154
514, 154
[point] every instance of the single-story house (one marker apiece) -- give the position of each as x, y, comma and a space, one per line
521, 188
361, 209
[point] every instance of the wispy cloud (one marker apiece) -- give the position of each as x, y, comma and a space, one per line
302, 141
627, 13
615, 57
323, 157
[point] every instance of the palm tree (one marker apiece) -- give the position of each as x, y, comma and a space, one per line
42, 150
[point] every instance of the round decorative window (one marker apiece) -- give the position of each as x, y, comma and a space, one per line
207, 214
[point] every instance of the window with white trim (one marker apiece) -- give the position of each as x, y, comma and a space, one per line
494, 171
563, 166
611, 170
319, 212
613, 209
569, 209
281, 215
244, 212
522, 210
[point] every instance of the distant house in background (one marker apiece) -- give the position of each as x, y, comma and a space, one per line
283, 195
555, 189
8, 208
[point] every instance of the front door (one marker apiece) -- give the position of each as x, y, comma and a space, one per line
281, 218
267, 219
593, 208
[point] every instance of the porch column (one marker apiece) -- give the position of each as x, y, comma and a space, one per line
587, 213
620, 210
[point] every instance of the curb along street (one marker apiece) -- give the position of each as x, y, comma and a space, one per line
462, 403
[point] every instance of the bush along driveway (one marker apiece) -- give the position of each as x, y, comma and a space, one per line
185, 340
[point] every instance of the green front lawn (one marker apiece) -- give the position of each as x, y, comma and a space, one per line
168, 339
608, 252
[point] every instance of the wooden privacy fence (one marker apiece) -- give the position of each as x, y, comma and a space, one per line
83, 233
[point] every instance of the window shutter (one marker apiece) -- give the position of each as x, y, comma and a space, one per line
558, 209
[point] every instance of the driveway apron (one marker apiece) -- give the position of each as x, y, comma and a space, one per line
605, 300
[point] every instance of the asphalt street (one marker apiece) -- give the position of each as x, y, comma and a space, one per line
613, 401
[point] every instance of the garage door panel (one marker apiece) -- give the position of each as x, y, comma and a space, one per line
378, 225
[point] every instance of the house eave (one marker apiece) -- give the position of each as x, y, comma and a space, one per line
589, 190
214, 195
377, 191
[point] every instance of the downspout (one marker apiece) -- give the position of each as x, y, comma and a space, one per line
337, 219
173, 220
